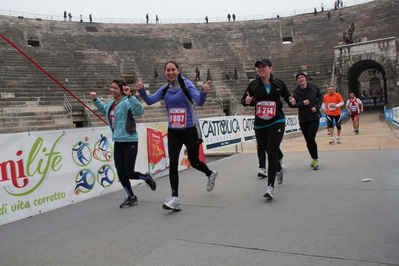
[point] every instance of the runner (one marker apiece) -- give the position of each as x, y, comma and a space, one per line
355, 107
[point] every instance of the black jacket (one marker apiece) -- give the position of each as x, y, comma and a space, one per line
257, 90
311, 93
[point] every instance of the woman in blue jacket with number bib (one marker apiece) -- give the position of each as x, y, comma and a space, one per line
264, 93
120, 114
179, 95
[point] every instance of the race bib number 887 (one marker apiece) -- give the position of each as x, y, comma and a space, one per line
177, 117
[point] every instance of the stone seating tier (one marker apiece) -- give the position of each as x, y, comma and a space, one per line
83, 60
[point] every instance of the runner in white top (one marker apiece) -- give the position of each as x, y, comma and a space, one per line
355, 107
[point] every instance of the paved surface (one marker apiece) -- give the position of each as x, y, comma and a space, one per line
324, 217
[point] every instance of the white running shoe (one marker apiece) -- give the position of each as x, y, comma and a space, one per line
338, 140
331, 141
211, 181
172, 203
262, 173
269, 192
280, 175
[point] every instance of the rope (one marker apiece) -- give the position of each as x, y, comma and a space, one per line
51, 77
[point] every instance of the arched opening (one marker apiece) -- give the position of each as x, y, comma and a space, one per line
366, 79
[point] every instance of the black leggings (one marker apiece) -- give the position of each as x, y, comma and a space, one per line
176, 139
270, 138
309, 131
125, 154
262, 155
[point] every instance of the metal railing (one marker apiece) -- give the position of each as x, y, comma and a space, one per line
67, 105
178, 21
87, 114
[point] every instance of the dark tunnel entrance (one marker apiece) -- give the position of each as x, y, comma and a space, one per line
367, 80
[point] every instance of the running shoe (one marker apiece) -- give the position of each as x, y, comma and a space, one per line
172, 203
315, 164
150, 181
338, 140
331, 141
269, 192
280, 175
262, 173
211, 181
129, 202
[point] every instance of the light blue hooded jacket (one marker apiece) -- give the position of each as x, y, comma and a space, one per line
124, 129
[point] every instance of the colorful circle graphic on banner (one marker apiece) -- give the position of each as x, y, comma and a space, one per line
85, 181
103, 150
106, 176
81, 153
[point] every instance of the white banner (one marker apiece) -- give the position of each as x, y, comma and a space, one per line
44, 170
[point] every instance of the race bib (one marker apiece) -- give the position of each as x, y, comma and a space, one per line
354, 109
266, 109
177, 117
331, 106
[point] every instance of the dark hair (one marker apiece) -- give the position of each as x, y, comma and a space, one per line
120, 83
171, 62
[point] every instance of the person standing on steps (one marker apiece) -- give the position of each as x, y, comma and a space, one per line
264, 93
208, 75
332, 103
179, 95
235, 73
355, 108
156, 75
308, 99
197, 74
120, 114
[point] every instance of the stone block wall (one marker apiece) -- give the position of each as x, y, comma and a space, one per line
83, 59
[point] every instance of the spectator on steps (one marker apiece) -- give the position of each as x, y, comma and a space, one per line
157, 19
147, 18
322, 7
197, 74
155, 75
227, 74
81, 18
235, 73
315, 11
70, 16
206, 19
208, 75
65, 16
90, 18
329, 15
234, 17
228, 16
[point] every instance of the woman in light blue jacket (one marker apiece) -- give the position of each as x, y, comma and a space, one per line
120, 114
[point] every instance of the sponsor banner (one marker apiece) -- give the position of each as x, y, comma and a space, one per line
222, 131
225, 131
44, 170
156, 150
392, 115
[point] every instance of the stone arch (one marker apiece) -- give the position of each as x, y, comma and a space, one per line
357, 64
